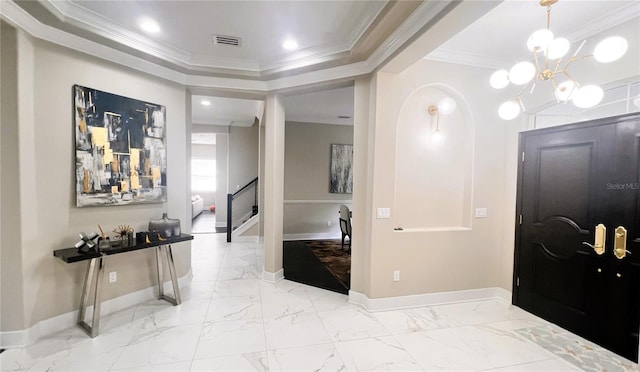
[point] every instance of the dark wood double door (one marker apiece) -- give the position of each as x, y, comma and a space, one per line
571, 179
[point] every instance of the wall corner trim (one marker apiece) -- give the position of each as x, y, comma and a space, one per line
61, 322
427, 299
273, 277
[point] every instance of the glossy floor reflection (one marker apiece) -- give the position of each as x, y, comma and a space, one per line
230, 320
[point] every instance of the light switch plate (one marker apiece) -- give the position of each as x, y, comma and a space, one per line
383, 213
481, 212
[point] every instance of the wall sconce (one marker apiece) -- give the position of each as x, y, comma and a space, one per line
446, 106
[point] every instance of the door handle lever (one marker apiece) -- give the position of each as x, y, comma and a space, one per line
598, 245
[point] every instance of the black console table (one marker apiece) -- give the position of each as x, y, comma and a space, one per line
95, 275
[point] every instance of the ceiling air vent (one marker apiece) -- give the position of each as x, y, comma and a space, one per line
226, 40
344, 117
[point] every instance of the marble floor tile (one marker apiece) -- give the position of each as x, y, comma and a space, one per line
284, 298
556, 365
477, 312
232, 320
470, 348
241, 362
160, 346
234, 308
167, 367
239, 287
376, 354
307, 358
294, 330
230, 338
324, 300
352, 324
408, 320
248, 271
205, 270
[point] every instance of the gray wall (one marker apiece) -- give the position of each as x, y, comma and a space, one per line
243, 168
45, 207
308, 204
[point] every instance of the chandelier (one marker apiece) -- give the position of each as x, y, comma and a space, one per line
548, 67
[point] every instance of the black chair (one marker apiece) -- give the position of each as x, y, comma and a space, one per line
345, 224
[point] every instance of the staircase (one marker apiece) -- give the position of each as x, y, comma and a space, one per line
242, 209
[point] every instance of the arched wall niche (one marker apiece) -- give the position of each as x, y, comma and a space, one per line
433, 180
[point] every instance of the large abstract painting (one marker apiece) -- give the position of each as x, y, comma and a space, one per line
341, 174
121, 156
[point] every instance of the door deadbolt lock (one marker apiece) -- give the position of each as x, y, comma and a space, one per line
598, 244
620, 243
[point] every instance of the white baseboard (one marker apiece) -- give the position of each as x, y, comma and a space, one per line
312, 236
429, 299
64, 321
273, 277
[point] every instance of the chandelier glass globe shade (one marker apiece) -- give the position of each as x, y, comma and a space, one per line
522, 73
588, 96
540, 40
446, 105
610, 49
437, 137
509, 110
558, 48
499, 79
565, 90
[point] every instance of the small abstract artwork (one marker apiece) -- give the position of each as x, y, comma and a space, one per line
121, 156
341, 173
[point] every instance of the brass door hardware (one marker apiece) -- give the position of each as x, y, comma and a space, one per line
598, 245
620, 243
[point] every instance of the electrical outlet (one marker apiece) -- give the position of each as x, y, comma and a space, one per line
396, 276
113, 277
328, 223
481, 212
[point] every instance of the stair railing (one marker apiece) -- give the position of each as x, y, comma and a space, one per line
243, 204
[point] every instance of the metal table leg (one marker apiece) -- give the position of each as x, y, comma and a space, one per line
92, 280
172, 271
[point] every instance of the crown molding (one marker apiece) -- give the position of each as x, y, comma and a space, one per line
427, 12
70, 12
606, 21
464, 58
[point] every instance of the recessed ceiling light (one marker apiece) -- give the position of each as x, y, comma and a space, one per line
149, 25
290, 44
205, 102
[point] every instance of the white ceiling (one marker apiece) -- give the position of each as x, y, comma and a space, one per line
499, 38
320, 27
225, 111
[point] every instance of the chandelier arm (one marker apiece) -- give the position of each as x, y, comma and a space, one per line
555, 89
575, 54
555, 70
535, 58
522, 90
564, 72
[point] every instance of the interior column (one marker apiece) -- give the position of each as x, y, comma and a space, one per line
273, 188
